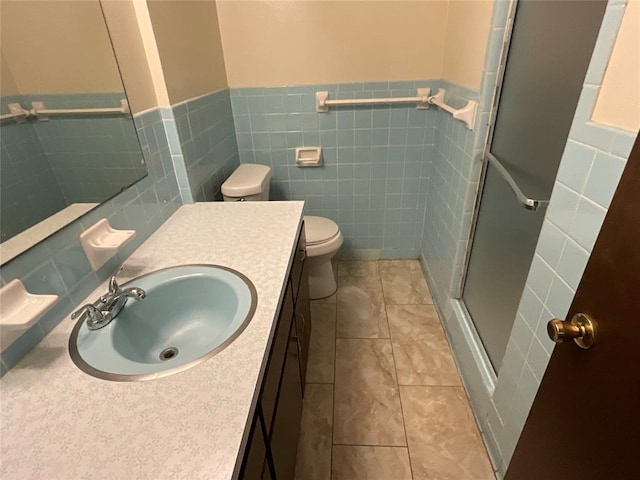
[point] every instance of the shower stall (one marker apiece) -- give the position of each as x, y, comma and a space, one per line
546, 62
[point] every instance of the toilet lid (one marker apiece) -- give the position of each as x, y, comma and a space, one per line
319, 229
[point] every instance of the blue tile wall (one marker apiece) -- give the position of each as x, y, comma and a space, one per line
377, 160
203, 130
451, 197
59, 266
590, 169
589, 172
91, 160
27, 193
448, 219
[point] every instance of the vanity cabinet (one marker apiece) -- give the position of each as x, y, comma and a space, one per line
302, 316
302, 313
256, 456
273, 440
286, 423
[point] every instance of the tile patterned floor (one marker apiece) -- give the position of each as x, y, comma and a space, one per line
384, 400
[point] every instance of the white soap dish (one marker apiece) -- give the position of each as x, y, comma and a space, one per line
101, 242
20, 309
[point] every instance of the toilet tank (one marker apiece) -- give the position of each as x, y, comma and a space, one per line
249, 182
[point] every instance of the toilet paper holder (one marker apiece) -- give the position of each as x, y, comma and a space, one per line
309, 156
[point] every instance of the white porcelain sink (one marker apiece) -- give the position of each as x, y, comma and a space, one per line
189, 314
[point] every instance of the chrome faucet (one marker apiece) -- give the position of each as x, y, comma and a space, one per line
101, 312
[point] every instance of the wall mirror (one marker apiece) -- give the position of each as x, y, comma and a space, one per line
68, 138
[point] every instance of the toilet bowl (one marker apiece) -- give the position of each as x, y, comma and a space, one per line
324, 239
250, 182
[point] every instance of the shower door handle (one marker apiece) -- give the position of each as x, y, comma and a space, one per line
528, 203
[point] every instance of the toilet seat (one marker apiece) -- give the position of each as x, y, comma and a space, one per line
323, 235
328, 246
319, 229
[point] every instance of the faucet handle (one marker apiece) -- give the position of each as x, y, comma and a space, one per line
113, 282
90, 310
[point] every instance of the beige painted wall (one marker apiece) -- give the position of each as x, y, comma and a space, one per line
43, 61
7, 83
618, 103
127, 37
190, 48
269, 43
468, 26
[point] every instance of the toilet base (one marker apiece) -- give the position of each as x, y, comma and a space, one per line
322, 281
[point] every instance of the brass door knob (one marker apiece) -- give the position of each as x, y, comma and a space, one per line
581, 328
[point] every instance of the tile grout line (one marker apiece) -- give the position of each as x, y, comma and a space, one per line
395, 367
390, 339
334, 305
333, 405
372, 445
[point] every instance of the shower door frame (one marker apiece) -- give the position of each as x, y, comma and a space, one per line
493, 113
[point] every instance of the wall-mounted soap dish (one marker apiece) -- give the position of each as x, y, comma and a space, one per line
101, 242
20, 309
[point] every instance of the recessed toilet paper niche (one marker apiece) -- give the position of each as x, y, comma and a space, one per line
309, 156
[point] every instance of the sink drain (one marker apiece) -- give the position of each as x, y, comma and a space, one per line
169, 353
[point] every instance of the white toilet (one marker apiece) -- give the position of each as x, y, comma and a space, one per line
250, 182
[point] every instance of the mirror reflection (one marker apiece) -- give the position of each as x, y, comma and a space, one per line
68, 139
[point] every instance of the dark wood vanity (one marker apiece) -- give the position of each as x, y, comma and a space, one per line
270, 452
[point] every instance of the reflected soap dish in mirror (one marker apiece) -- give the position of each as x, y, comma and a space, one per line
101, 242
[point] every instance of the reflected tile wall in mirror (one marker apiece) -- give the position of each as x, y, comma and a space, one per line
58, 264
63, 163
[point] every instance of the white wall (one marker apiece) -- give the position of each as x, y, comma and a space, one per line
7, 83
188, 39
132, 36
618, 103
42, 61
468, 24
273, 43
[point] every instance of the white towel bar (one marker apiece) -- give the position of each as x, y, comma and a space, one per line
323, 103
17, 112
38, 110
466, 114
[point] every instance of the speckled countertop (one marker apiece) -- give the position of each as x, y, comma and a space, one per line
60, 423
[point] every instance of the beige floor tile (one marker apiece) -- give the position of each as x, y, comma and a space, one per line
370, 463
314, 447
361, 309
358, 268
444, 442
367, 403
403, 282
322, 346
420, 348
330, 299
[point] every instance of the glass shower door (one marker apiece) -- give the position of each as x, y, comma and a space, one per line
549, 53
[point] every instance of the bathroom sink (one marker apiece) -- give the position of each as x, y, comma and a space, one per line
189, 314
